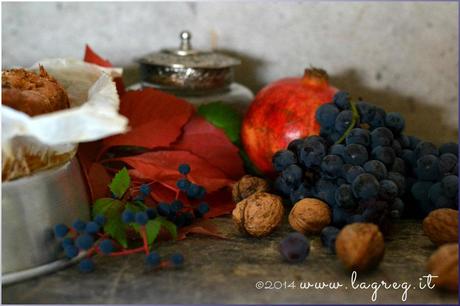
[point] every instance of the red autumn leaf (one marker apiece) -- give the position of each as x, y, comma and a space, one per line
203, 227
220, 203
93, 58
155, 119
164, 193
88, 152
98, 180
161, 166
205, 140
96, 175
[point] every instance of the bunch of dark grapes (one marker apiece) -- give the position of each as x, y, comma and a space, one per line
364, 167
432, 176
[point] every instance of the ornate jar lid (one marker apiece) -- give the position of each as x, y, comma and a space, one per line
186, 70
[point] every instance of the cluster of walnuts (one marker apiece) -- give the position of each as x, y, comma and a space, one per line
259, 212
359, 246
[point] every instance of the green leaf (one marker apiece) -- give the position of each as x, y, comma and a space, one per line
114, 225
140, 204
224, 117
134, 207
101, 205
170, 227
120, 183
117, 230
152, 229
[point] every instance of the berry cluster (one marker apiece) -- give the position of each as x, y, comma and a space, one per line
88, 236
96, 238
432, 175
175, 211
362, 166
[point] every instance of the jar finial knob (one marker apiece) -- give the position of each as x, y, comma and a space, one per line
185, 37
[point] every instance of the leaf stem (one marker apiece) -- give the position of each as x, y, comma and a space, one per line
354, 120
127, 252
144, 239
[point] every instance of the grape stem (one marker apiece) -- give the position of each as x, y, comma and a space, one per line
354, 120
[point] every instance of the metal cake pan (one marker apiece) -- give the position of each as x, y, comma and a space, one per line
31, 206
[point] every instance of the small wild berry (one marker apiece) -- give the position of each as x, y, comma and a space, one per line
106, 246
183, 184
141, 218
70, 251
86, 265
127, 216
84, 241
153, 259
100, 219
177, 259
92, 227
60, 230
151, 213
184, 169
79, 225
163, 209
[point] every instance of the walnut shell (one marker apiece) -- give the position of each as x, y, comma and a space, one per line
441, 226
444, 264
247, 186
310, 216
259, 214
360, 246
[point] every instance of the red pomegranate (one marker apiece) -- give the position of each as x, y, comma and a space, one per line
281, 112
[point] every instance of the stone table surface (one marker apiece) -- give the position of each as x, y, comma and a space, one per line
226, 271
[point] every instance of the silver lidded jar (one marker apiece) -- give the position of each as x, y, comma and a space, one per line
198, 76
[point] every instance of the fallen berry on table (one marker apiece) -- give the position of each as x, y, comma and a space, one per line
177, 259
153, 259
86, 265
294, 248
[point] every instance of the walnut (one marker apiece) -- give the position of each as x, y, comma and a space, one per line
360, 246
259, 214
310, 216
248, 185
441, 226
444, 264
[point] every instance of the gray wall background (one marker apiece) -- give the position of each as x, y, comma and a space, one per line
401, 55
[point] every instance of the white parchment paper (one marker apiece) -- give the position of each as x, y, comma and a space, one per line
93, 113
